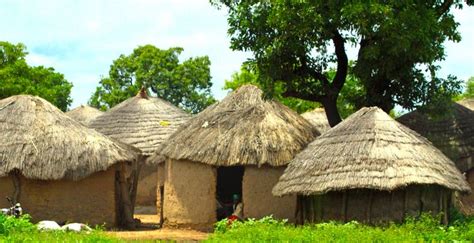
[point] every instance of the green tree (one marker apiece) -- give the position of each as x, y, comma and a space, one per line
469, 93
17, 77
185, 84
298, 41
349, 99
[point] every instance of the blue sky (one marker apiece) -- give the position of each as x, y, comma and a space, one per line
81, 38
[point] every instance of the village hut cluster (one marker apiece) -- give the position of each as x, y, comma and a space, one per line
95, 167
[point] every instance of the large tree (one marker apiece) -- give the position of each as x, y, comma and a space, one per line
186, 84
298, 41
17, 77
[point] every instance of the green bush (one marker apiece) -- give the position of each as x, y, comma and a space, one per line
22, 230
426, 228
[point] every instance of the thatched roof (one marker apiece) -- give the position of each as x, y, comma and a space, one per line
43, 143
469, 103
368, 150
243, 129
84, 114
142, 121
318, 118
453, 133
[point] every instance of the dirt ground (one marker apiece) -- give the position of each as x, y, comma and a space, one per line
150, 231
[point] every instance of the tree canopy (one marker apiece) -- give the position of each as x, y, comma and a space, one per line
398, 44
186, 84
17, 77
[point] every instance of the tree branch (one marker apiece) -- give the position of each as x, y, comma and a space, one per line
444, 7
342, 63
303, 96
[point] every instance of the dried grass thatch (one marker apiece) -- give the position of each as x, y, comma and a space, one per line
453, 134
469, 103
368, 150
84, 114
243, 129
41, 142
142, 121
318, 118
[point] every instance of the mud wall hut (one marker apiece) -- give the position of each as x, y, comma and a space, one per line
238, 146
84, 114
144, 122
318, 118
453, 134
60, 170
372, 169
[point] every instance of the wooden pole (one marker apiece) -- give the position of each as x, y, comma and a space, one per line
162, 200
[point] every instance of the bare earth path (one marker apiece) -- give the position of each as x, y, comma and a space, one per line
158, 234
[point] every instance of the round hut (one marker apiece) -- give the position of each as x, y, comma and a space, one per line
318, 118
60, 170
144, 122
238, 146
84, 114
453, 134
370, 168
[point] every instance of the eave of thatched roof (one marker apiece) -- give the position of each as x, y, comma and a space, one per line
368, 150
453, 133
243, 129
141, 121
318, 118
41, 142
469, 103
84, 114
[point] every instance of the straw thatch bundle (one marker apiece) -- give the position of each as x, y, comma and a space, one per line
318, 118
453, 134
469, 103
243, 129
39, 141
368, 150
84, 114
142, 121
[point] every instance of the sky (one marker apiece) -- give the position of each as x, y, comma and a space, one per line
81, 38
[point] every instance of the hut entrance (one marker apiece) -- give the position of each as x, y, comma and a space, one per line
229, 183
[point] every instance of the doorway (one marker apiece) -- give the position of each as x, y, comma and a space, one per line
229, 183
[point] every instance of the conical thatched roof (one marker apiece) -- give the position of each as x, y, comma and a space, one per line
243, 129
43, 143
142, 121
368, 150
469, 103
318, 118
453, 134
84, 114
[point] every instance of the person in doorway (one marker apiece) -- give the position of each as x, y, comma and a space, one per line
237, 207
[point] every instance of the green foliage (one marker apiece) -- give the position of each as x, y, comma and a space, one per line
469, 90
348, 102
426, 228
185, 84
398, 42
249, 74
17, 77
22, 230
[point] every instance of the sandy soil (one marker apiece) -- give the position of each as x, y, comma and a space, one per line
150, 232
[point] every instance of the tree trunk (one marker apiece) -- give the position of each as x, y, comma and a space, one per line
330, 107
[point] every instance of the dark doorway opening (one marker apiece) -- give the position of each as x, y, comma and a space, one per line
229, 183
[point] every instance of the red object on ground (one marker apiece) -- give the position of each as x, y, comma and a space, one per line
231, 219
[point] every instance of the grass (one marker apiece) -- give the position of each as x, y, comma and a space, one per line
22, 230
425, 229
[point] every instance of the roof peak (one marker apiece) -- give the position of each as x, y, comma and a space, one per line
142, 93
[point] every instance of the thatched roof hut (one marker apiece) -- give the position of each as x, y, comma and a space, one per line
368, 151
238, 146
453, 134
243, 129
144, 122
84, 114
318, 118
41, 147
